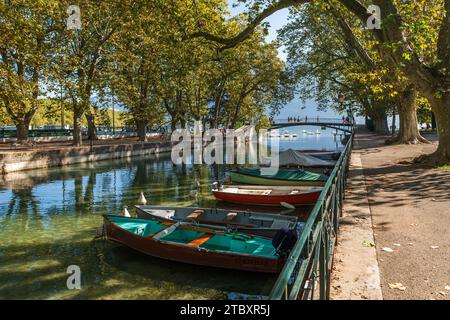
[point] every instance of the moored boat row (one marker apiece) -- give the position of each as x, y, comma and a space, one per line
242, 240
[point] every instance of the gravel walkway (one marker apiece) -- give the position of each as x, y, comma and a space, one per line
410, 207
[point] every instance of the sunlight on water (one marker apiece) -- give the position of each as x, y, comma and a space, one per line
48, 219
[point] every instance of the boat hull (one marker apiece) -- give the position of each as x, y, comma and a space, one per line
268, 200
190, 255
239, 178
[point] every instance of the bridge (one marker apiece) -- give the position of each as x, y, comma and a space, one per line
332, 123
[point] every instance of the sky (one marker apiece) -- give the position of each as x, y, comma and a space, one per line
296, 107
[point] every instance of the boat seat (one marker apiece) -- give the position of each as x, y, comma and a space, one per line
199, 241
231, 216
166, 214
261, 218
195, 214
166, 232
280, 224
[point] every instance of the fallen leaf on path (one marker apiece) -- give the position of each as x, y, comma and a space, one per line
397, 286
397, 244
414, 224
434, 247
447, 288
368, 243
387, 249
443, 293
410, 243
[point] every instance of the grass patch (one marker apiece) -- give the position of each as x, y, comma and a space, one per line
444, 168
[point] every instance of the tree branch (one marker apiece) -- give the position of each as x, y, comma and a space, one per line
352, 39
244, 34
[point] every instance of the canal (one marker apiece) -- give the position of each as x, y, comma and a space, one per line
48, 219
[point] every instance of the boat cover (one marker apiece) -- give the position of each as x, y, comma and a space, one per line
284, 174
295, 158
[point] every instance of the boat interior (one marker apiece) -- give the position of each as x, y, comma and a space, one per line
188, 235
221, 216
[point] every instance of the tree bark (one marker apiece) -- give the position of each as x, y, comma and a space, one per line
218, 104
433, 121
380, 125
173, 123
441, 108
92, 128
409, 132
394, 124
77, 138
377, 112
22, 132
141, 126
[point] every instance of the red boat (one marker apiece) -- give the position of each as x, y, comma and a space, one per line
268, 196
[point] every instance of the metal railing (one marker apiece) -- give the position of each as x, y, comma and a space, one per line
309, 264
311, 120
40, 133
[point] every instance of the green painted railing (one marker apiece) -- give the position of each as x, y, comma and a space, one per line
306, 274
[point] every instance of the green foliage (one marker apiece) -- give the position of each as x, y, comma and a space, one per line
423, 110
139, 54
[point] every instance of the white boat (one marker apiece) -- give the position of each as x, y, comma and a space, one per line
274, 134
287, 135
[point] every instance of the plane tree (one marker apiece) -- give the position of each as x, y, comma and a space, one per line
414, 35
325, 49
26, 47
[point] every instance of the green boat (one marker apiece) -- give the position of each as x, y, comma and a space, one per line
284, 177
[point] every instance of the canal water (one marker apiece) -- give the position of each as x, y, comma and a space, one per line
48, 219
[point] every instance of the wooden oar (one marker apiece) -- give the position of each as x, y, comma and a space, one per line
287, 205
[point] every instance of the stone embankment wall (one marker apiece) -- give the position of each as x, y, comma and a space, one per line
35, 159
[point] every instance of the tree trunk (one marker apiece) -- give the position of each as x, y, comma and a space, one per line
394, 118
218, 105
380, 125
409, 132
173, 123
183, 122
92, 129
433, 121
141, 126
441, 108
77, 138
237, 109
22, 132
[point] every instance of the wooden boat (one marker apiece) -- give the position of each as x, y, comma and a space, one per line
284, 177
261, 224
188, 243
268, 196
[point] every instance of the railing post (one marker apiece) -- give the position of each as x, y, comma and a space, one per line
323, 267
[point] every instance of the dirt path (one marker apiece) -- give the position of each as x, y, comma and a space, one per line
410, 206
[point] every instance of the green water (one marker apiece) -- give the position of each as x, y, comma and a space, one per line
48, 219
